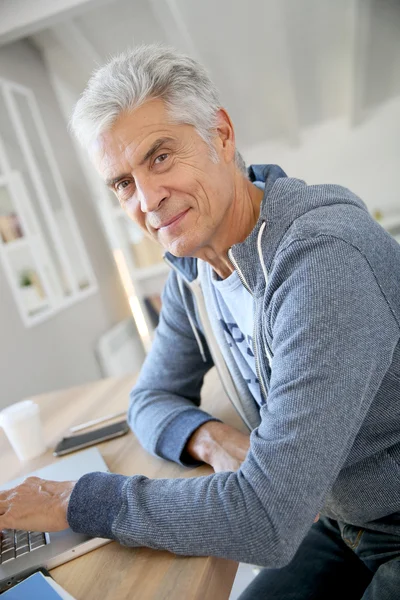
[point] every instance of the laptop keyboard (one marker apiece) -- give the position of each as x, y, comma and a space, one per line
15, 543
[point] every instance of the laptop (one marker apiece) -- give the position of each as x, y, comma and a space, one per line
22, 552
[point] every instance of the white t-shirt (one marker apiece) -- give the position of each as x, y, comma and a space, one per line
235, 309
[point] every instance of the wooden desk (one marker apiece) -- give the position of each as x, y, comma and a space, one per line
116, 572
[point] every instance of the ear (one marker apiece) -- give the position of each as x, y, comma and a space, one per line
225, 137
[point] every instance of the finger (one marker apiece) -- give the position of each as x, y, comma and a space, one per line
30, 482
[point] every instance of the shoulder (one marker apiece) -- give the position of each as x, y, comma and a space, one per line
326, 210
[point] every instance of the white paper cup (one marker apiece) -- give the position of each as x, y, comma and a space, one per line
22, 425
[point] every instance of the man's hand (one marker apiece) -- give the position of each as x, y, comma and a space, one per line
36, 505
219, 445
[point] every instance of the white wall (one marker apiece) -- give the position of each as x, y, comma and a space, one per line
59, 352
365, 158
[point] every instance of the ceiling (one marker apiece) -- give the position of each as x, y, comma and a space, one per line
280, 65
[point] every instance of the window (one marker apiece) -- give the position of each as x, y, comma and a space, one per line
41, 249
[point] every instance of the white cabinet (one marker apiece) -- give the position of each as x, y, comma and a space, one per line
41, 249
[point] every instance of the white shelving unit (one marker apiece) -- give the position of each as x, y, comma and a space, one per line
139, 260
151, 272
41, 249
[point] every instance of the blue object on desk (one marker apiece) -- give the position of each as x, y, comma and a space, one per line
35, 587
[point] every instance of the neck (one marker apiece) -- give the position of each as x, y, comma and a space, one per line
238, 223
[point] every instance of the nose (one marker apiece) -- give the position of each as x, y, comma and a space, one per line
150, 194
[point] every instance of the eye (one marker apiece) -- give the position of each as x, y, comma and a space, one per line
122, 185
161, 158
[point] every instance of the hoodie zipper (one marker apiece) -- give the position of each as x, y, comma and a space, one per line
244, 282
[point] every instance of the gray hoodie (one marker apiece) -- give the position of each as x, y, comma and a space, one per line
325, 278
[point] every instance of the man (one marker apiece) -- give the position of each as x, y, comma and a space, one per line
293, 291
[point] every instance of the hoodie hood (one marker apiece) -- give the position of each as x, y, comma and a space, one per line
285, 200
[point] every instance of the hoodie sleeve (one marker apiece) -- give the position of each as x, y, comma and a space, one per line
328, 317
164, 404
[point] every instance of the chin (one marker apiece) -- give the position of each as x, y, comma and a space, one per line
181, 248
179, 252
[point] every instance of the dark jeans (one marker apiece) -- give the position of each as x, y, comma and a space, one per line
335, 561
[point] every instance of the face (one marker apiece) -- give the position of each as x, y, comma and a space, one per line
163, 176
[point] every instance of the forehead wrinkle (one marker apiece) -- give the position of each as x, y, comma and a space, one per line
120, 147
158, 142
113, 167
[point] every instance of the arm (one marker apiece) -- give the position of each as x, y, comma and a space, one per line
325, 374
164, 404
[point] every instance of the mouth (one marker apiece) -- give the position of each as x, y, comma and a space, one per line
173, 221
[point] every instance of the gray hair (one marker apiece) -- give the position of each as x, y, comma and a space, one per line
143, 73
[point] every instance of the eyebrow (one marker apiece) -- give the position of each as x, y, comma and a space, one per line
154, 147
111, 182
152, 150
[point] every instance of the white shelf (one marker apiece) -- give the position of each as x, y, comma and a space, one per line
125, 239
153, 271
38, 308
16, 244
